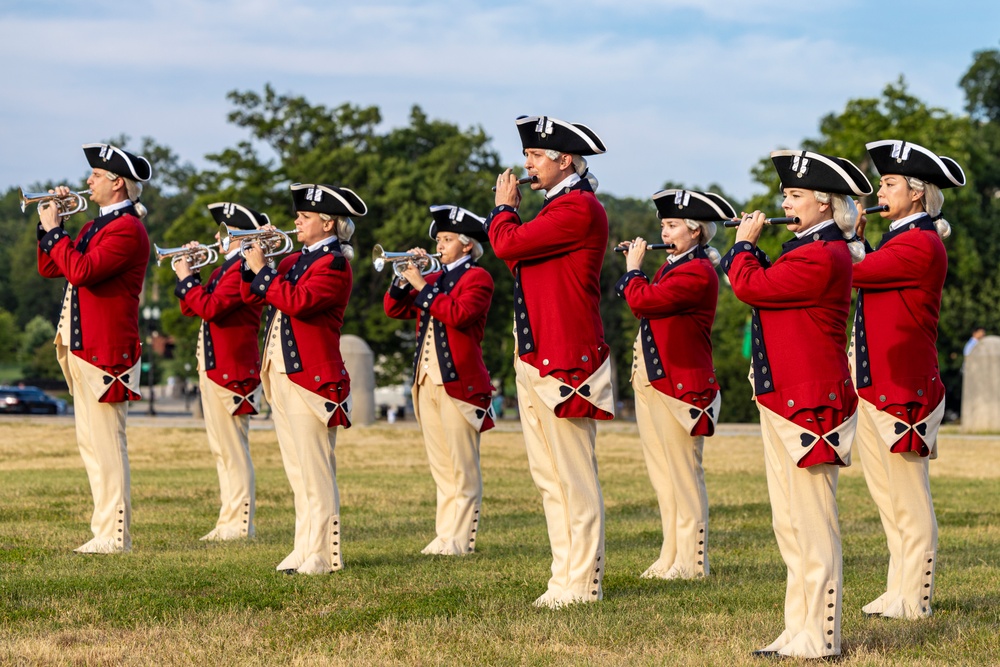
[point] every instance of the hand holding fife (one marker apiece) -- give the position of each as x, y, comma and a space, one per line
636, 253
859, 229
750, 227
507, 192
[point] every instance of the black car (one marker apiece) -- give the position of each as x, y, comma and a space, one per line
24, 400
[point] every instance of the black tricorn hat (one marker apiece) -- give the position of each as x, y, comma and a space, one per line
894, 156
823, 173
449, 218
551, 133
327, 199
237, 216
118, 162
693, 205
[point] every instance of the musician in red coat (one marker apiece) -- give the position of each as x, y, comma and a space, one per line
97, 340
228, 370
677, 396
562, 363
451, 386
896, 365
801, 381
303, 373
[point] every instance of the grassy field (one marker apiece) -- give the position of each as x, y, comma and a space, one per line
177, 601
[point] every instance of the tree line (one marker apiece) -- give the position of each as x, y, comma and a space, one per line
400, 172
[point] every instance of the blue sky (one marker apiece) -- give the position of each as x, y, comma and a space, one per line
690, 91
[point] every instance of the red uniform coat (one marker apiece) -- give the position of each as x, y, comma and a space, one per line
556, 261
896, 325
799, 332
676, 312
229, 329
105, 267
458, 303
311, 291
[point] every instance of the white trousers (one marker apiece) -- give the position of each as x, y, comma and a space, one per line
804, 516
100, 434
229, 442
674, 462
563, 467
900, 486
307, 452
452, 445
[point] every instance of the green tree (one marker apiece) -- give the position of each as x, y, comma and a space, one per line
10, 338
37, 354
39, 331
399, 173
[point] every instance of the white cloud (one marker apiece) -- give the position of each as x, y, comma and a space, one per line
700, 102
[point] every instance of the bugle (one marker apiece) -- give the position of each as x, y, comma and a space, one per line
426, 263
66, 205
274, 241
651, 246
197, 256
523, 181
876, 209
767, 221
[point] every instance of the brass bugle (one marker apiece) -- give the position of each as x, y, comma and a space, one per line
651, 246
876, 209
273, 241
66, 205
523, 181
198, 256
767, 221
426, 263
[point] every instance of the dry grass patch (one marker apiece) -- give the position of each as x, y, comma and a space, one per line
176, 601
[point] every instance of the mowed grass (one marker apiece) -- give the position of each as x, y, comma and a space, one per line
177, 601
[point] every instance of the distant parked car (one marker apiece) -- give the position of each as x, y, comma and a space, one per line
27, 400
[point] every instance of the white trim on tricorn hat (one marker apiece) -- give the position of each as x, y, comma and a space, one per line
341, 201
543, 132
895, 156
693, 205
118, 162
819, 172
237, 215
456, 219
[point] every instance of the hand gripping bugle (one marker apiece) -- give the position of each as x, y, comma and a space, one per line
523, 181
66, 205
876, 209
273, 242
651, 246
399, 260
767, 221
198, 256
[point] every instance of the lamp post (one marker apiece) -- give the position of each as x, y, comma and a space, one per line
187, 394
150, 314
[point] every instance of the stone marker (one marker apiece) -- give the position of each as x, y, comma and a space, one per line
360, 362
981, 387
